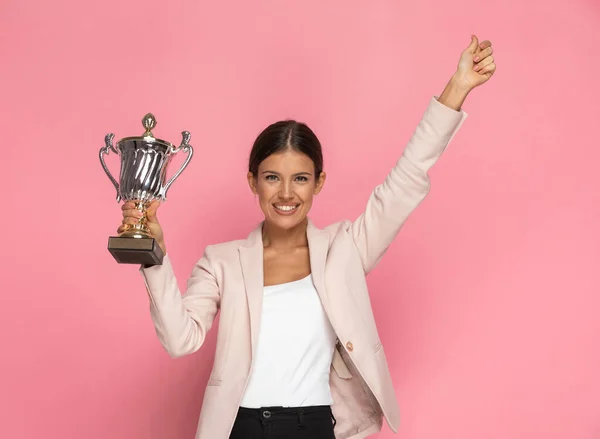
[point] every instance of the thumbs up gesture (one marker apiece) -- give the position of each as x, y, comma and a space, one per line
476, 65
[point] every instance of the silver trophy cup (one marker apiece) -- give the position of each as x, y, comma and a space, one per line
143, 179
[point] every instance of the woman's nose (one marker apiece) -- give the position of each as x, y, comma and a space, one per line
286, 190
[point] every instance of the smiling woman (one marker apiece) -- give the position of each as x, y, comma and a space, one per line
298, 353
285, 170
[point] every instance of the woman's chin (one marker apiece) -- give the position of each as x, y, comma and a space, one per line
286, 221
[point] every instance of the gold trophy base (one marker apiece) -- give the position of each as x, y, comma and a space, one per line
136, 245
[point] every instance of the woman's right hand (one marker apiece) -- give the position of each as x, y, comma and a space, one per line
131, 215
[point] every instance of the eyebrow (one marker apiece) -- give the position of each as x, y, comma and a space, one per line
277, 173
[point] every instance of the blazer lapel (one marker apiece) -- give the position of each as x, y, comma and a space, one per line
251, 260
318, 247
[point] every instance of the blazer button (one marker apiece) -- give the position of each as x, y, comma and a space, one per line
350, 346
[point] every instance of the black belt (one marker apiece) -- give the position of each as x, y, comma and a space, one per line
287, 413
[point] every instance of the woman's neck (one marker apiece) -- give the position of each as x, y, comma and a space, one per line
284, 239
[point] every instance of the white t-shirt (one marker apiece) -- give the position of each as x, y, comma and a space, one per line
295, 348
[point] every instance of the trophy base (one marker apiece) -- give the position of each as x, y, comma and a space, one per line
135, 250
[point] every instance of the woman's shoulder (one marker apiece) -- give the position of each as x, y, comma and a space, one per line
224, 248
341, 226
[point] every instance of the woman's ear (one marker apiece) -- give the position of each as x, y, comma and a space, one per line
252, 182
320, 182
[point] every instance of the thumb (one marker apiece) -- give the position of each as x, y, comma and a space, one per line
474, 44
152, 209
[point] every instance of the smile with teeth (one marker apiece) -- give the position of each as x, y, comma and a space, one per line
285, 207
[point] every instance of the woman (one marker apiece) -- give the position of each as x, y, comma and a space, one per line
298, 353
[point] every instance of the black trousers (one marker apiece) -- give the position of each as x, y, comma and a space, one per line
315, 422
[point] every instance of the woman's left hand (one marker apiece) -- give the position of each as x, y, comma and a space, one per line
476, 65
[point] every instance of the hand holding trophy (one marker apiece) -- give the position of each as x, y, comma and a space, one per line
142, 184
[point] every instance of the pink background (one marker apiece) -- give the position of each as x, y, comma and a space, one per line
488, 301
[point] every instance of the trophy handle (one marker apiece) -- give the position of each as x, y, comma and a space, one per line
187, 148
105, 150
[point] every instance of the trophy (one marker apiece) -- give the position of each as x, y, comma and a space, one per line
143, 179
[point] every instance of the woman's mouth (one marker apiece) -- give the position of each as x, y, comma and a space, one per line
286, 209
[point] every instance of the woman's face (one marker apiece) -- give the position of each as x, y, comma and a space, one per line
285, 185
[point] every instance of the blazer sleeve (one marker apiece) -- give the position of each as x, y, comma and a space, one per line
182, 321
406, 185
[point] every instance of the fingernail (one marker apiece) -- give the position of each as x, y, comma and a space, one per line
476, 59
477, 68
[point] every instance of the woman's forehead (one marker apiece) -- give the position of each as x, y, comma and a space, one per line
287, 161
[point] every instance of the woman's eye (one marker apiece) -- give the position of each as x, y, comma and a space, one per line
302, 178
271, 177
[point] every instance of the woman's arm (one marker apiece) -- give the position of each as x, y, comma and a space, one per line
408, 183
182, 322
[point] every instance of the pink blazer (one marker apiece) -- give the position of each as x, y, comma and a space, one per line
229, 278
